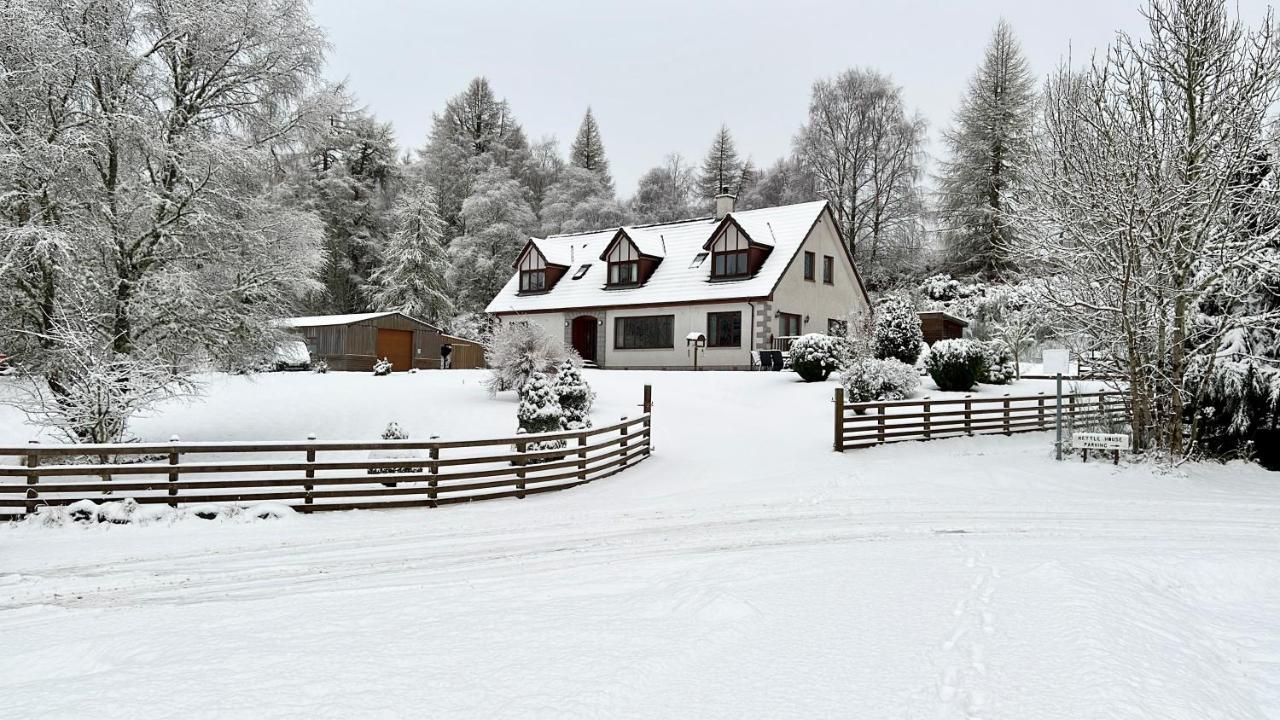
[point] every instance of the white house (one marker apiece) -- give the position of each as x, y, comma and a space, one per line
630, 297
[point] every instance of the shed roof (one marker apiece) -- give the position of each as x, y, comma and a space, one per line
349, 319
678, 278
945, 315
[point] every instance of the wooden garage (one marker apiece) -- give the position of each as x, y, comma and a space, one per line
938, 325
355, 342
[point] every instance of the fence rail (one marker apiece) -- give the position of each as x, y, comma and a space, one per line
859, 425
316, 475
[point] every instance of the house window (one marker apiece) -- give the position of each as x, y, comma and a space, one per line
839, 328
788, 325
582, 271
724, 329
625, 272
644, 333
533, 280
828, 269
729, 264
697, 261
808, 265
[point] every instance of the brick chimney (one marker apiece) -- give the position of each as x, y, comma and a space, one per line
724, 203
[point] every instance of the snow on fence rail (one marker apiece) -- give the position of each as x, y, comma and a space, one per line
395, 473
859, 425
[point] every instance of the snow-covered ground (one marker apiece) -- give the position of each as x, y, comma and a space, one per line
744, 570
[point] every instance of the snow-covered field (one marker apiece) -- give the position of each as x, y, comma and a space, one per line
744, 570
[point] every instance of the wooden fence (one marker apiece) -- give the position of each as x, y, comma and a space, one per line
314, 475
865, 424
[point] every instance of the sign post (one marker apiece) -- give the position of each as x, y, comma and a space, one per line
1057, 363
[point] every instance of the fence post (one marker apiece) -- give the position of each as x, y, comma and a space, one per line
880, 425
433, 483
928, 421
33, 460
1006, 414
311, 472
520, 448
838, 444
968, 415
1041, 416
648, 399
582, 456
648, 420
173, 474
623, 445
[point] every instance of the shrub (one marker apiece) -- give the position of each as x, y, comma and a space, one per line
896, 333
382, 367
956, 365
814, 357
999, 368
869, 379
320, 367
941, 288
575, 396
516, 350
392, 432
540, 411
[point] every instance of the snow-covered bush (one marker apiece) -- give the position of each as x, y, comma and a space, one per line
896, 333
956, 365
940, 288
392, 432
382, 367
814, 356
320, 367
868, 379
540, 411
129, 512
575, 396
516, 350
999, 368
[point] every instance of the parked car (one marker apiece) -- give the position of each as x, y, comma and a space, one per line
291, 355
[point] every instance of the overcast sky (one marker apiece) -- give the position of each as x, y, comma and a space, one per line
663, 75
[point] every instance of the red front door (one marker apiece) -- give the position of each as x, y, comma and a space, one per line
584, 337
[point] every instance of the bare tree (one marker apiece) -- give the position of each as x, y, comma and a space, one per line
1141, 214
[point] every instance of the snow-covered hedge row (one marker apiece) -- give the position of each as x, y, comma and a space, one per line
956, 365
815, 356
896, 333
129, 512
868, 379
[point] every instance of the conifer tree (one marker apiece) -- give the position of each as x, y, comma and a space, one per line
575, 396
498, 221
989, 149
587, 151
539, 411
722, 168
411, 277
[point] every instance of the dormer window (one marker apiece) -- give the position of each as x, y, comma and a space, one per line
628, 264
624, 272
533, 280
536, 273
733, 254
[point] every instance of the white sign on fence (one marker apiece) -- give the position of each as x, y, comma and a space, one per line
1057, 362
1099, 441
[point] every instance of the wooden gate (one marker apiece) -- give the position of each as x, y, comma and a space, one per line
396, 346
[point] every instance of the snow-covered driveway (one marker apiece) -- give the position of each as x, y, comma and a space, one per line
743, 571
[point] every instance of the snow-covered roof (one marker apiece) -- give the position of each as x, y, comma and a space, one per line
945, 314
554, 253
677, 278
318, 320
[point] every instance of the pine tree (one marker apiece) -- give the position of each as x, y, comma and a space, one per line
498, 221
539, 411
575, 396
411, 277
722, 168
989, 149
587, 151
474, 132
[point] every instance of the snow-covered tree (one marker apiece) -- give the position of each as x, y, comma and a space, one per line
815, 356
498, 221
579, 201
1144, 203
896, 331
542, 169
575, 396
665, 193
139, 222
865, 152
956, 365
723, 168
516, 350
871, 379
475, 131
411, 276
539, 411
786, 182
989, 150
587, 151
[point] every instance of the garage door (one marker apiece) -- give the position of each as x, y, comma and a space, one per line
396, 346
